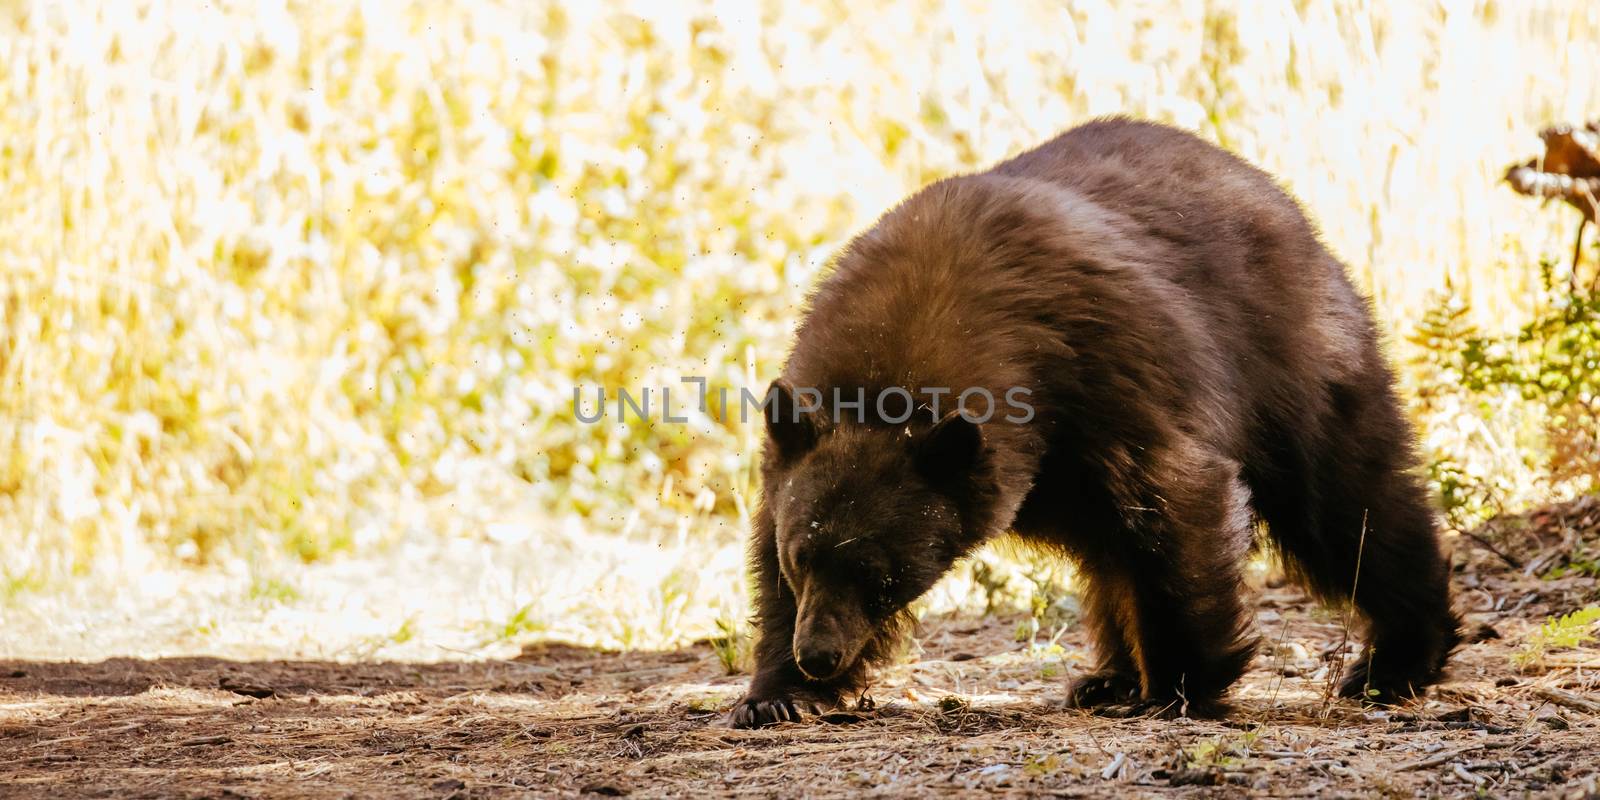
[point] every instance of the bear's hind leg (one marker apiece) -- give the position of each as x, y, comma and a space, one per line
1363, 506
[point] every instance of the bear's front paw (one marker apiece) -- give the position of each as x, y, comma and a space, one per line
1103, 688
759, 712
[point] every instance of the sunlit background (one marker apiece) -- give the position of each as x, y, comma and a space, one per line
293, 297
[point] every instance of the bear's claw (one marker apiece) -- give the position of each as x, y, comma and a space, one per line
1102, 688
759, 713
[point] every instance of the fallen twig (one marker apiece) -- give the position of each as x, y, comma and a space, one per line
1280, 754
204, 740
1464, 774
1488, 545
1114, 769
1446, 755
1568, 699
1439, 758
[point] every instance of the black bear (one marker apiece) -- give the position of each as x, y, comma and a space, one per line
1125, 345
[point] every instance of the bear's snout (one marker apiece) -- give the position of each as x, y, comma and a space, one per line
826, 639
818, 663
819, 651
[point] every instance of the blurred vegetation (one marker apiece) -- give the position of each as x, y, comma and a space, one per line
1571, 630
311, 277
1547, 374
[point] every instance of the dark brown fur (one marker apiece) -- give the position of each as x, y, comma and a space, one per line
1197, 360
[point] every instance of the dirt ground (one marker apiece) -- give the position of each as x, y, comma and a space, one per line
971, 712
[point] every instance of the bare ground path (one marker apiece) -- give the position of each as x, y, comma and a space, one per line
972, 712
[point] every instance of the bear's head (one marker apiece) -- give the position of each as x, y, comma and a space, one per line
867, 519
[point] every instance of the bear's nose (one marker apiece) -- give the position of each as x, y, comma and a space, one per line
819, 663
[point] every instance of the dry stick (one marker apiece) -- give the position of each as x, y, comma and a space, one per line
1344, 639
1446, 755
1487, 545
1577, 256
1438, 758
1462, 773
1272, 702
1283, 659
1117, 763
1568, 699
1280, 755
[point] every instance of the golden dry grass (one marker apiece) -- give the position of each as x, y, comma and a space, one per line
312, 277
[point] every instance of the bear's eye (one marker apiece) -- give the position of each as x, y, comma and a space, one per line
802, 552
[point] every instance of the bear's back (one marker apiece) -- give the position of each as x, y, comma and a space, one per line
1232, 238
1120, 253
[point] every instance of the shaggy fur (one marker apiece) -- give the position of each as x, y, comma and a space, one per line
1196, 360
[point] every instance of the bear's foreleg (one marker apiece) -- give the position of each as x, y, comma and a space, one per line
1187, 527
779, 691
1107, 609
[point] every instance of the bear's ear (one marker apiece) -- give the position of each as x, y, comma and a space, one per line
793, 428
951, 447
